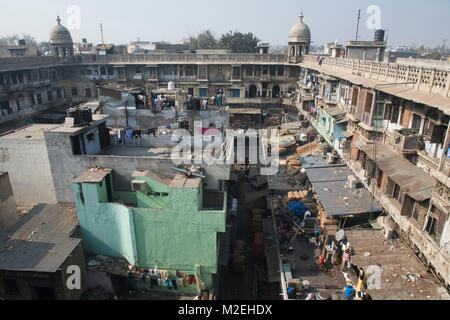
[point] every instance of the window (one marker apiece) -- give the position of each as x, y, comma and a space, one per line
355, 92
273, 71
368, 105
416, 122
49, 96
236, 72
436, 222
89, 72
236, 93
11, 287
39, 98
249, 71
203, 92
281, 71
219, 70
431, 226
189, 70
265, 71
103, 71
110, 71
74, 91
88, 92
138, 70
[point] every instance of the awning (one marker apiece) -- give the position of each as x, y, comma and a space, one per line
411, 179
347, 134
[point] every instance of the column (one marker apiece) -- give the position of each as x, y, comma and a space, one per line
422, 124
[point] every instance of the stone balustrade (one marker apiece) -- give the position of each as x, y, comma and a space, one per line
431, 80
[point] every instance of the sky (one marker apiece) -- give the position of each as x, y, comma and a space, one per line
410, 22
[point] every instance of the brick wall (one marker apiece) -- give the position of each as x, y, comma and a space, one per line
406, 116
354, 148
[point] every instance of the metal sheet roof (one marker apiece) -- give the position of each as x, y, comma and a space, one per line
330, 184
413, 180
41, 241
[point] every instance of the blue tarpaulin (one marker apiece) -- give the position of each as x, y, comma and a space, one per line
298, 208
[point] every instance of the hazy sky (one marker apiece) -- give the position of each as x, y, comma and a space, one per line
409, 21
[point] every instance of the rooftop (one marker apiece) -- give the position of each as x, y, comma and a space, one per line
93, 175
413, 180
36, 131
41, 241
330, 184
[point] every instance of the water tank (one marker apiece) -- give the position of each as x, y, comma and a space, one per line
75, 114
171, 86
379, 35
326, 149
85, 115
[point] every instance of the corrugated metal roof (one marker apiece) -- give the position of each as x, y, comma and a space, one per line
412, 180
41, 241
330, 184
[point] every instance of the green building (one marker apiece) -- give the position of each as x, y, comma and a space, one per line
168, 224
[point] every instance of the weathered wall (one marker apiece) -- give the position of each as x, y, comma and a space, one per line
181, 237
65, 167
8, 209
28, 166
106, 228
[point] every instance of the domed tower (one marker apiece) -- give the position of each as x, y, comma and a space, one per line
299, 40
61, 41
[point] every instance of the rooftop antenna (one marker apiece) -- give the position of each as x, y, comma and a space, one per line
101, 30
357, 24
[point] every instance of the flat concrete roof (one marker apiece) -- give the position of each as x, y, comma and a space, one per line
93, 175
36, 131
32, 132
181, 181
152, 175
244, 111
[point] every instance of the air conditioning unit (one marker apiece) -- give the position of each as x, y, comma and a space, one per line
138, 185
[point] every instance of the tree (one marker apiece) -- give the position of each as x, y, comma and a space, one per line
204, 40
239, 42
12, 40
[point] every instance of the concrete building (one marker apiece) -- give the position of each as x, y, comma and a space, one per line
55, 154
396, 141
165, 224
365, 50
40, 255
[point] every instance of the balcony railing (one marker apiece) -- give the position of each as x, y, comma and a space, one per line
432, 80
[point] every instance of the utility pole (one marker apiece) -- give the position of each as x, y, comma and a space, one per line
101, 30
357, 24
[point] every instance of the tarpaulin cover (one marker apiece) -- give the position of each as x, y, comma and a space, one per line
298, 208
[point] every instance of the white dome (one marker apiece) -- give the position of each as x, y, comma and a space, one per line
300, 32
60, 34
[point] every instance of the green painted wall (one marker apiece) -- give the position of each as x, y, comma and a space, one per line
172, 232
